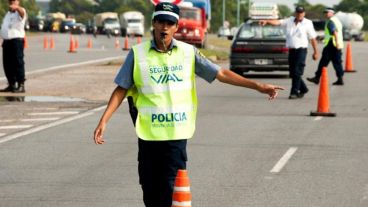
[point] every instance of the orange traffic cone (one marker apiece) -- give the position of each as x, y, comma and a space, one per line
89, 43
348, 59
117, 43
52, 42
45, 42
25, 42
139, 40
71, 45
181, 195
76, 43
126, 43
323, 108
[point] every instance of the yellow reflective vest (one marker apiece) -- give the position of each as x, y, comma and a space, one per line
329, 36
165, 97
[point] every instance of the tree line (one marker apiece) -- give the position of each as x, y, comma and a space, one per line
84, 10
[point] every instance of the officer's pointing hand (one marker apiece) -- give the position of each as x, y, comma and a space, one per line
271, 90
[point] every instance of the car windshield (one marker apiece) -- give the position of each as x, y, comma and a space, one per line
193, 14
255, 31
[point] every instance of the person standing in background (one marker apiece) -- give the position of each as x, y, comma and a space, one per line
299, 31
332, 50
12, 32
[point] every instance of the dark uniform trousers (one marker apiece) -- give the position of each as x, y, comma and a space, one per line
158, 163
296, 69
13, 60
330, 53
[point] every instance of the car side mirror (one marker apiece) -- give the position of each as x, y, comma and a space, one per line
230, 37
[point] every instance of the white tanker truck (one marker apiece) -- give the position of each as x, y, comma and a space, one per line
352, 24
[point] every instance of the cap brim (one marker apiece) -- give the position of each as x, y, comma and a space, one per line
165, 17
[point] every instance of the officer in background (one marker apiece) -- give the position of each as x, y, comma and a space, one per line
332, 51
12, 31
299, 31
160, 76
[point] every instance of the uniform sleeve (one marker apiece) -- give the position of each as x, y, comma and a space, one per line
331, 27
204, 68
124, 78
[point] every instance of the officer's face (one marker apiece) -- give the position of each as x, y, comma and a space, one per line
299, 15
164, 30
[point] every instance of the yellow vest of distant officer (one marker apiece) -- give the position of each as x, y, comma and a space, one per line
166, 97
328, 36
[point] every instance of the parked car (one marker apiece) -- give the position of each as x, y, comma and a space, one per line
67, 25
258, 48
78, 28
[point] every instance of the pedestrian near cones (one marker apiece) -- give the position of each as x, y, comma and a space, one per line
332, 51
299, 32
12, 33
164, 105
323, 107
349, 59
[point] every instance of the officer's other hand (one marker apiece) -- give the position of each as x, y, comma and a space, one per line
315, 56
98, 135
271, 90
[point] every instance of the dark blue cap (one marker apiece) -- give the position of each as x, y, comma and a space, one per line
166, 11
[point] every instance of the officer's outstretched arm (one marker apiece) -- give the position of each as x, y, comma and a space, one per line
115, 100
229, 77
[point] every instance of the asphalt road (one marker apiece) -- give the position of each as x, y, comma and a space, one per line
247, 151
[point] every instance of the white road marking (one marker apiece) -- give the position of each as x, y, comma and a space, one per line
6, 120
318, 118
43, 127
70, 65
41, 119
16, 127
53, 113
284, 159
2, 134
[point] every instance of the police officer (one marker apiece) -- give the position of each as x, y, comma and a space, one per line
12, 31
332, 51
160, 75
299, 31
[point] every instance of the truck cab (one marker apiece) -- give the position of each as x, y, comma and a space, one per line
132, 23
193, 24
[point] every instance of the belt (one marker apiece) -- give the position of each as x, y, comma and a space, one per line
300, 48
13, 39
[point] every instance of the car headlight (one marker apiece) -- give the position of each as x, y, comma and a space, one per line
196, 32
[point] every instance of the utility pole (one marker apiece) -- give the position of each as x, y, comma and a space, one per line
238, 14
223, 12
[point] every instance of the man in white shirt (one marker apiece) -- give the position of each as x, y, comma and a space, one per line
299, 31
12, 32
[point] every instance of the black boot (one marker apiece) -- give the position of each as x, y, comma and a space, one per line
313, 80
339, 82
20, 88
10, 88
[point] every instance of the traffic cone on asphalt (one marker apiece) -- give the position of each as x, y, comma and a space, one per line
181, 195
71, 45
52, 42
89, 43
25, 42
76, 43
117, 43
323, 108
126, 43
45, 42
348, 59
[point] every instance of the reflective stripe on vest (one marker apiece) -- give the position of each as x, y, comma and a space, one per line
329, 36
166, 99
